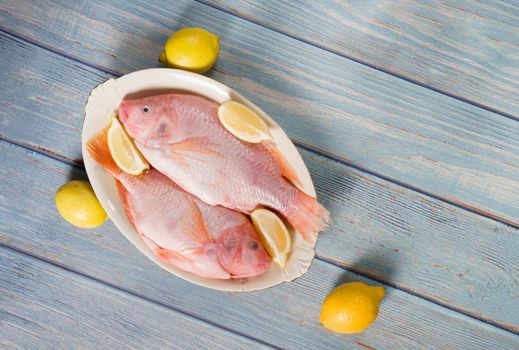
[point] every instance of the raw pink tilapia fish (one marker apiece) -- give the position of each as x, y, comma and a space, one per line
182, 137
210, 241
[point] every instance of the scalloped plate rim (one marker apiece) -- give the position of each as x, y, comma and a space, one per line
104, 100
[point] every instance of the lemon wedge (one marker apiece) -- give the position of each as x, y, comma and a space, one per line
243, 122
123, 150
192, 49
273, 234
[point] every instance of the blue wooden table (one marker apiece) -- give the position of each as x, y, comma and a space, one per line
406, 113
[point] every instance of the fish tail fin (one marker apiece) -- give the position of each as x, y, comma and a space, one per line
98, 148
287, 170
308, 216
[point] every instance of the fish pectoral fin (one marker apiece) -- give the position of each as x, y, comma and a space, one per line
190, 147
287, 170
173, 257
211, 249
194, 225
169, 255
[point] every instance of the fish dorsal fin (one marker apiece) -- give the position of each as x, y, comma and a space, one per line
287, 170
123, 194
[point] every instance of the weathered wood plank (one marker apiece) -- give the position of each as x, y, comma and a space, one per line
45, 307
392, 226
285, 316
397, 129
418, 244
464, 48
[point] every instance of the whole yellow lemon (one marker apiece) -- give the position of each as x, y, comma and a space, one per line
192, 49
78, 204
351, 307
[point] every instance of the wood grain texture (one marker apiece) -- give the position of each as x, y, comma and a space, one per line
382, 230
421, 245
465, 48
45, 307
353, 113
285, 316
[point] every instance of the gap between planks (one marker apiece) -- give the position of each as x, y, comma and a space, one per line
79, 165
136, 295
362, 62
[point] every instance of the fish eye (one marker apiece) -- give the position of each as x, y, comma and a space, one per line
254, 245
146, 109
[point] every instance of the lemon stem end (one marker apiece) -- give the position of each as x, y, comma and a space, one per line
162, 58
